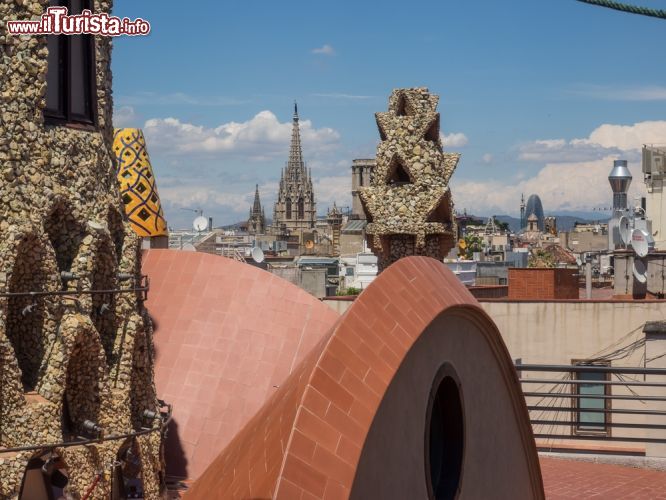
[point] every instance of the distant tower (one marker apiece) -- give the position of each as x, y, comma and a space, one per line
334, 219
490, 228
256, 224
522, 211
551, 225
295, 208
362, 171
535, 207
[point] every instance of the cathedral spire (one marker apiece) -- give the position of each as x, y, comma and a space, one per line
295, 208
256, 224
256, 208
295, 165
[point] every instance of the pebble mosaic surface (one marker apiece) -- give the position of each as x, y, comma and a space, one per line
408, 204
69, 358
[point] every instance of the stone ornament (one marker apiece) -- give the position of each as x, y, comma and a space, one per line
137, 183
408, 203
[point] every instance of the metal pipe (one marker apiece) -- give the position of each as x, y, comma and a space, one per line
588, 277
593, 437
591, 369
73, 292
599, 410
81, 442
607, 424
595, 382
591, 396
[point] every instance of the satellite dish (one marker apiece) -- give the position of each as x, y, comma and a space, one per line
309, 244
257, 255
189, 247
641, 241
640, 270
624, 226
200, 223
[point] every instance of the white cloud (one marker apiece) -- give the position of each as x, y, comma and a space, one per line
607, 139
571, 186
125, 116
326, 50
574, 173
260, 138
202, 196
487, 158
636, 93
233, 205
454, 140
628, 137
332, 189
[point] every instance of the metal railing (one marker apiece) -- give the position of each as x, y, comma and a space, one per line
595, 402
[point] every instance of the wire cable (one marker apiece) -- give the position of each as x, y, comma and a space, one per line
631, 9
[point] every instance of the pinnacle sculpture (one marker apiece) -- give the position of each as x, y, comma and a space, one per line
408, 204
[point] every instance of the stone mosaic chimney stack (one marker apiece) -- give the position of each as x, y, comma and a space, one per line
408, 204
76, 344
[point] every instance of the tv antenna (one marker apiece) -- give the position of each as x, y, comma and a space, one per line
200, 223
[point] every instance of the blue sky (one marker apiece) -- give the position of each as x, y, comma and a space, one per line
537, 95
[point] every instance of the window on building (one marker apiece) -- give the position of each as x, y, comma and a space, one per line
445, 439
301, 209
590, 409
288, 208
70, 81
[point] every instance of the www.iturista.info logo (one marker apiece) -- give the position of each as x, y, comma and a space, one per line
56, 21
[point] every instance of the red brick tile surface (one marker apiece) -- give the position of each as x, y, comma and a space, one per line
227, 335
306, 441
543, 283
567, 479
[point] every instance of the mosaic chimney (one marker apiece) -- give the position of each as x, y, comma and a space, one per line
76, 349
408, 203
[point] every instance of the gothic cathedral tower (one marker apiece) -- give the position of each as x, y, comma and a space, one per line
295, 208
256, 224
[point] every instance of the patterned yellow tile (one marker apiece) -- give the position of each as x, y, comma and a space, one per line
137, 183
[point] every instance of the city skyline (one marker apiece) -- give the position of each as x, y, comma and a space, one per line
531, 95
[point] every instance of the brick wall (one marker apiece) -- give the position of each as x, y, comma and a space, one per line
543, 283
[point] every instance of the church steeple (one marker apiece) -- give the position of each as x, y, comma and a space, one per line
256, 224
295, 165
295, 206
256, 207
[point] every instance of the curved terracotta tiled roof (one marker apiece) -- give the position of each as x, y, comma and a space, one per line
332, 429
227, 334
